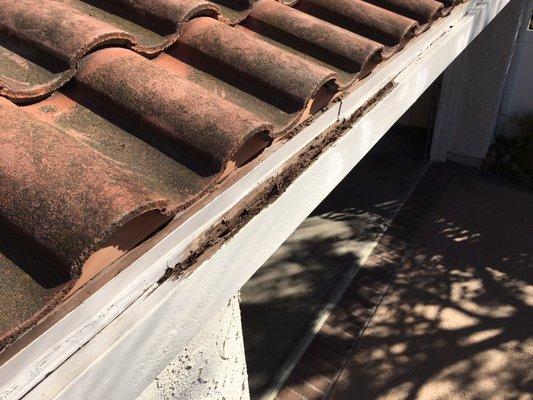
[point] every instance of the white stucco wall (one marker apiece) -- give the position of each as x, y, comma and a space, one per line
472, 91
212, 367
517, 98
485, 65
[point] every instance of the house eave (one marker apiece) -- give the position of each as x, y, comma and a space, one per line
134, 320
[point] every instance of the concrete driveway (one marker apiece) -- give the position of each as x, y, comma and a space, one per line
457, 322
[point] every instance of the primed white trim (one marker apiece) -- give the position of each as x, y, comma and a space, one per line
131, 328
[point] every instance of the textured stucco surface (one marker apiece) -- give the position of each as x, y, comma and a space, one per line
480, 73
213, 366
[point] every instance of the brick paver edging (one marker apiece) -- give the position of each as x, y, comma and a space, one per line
315, 374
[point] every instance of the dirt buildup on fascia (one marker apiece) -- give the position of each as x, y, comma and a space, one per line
271, 190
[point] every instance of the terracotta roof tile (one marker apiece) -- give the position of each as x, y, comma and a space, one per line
61, 193
358, 16
234, 11
348, 54
208, 127
61, 199
118, 114
47, 34
284, 83
422, 11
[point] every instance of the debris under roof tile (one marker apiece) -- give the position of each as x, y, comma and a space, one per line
117, 114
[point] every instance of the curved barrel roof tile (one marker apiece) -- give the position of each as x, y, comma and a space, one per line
207, 126
61, 200
425, 12
277, 85
59, 192
115, 115
392, 30
234, 11
350, 55
43, 31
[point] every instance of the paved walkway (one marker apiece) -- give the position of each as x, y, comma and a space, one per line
288, 292
457, 321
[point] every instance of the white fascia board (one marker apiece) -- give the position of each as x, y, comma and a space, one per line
119, 339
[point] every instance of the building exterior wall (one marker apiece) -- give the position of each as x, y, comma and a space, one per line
213, 366
517, 98
472, 91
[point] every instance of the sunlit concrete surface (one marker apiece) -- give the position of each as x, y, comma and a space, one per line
457, 321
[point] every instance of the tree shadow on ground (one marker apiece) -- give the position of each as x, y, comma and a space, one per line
283, 298
457, 321
281, 302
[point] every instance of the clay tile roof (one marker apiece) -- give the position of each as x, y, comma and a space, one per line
119, 114
234, 11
